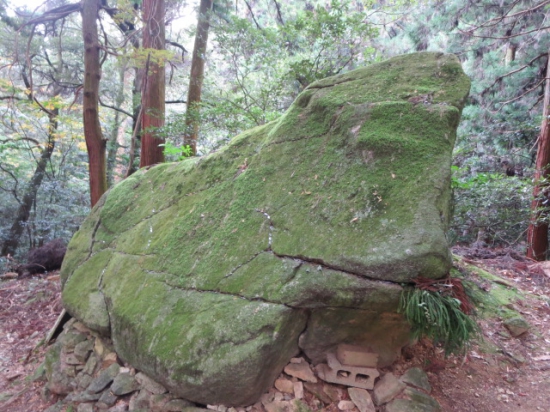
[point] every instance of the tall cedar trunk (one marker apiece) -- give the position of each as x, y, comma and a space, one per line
152, 99
95, 142
537, 234
197, 76
29, 198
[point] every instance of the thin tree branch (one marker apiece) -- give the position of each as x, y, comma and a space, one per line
253, 16
54, 14
26, 139
498, 79
14, 190
279, 15
469, 33
523, 94
118, 109
179, 46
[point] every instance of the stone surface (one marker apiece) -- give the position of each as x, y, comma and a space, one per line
346, 405
83, 380
334, 393
58, 382
177, 405
85, 407
417, 377
158, 402
91, 365
316, 389
202, 271
78, 397
83, 349
124, 383
517, 326
298, 388
70, 359
149, 384
118, 408
284, 385
70, 340
109, 359
106, 400
354, 376
353, 355
362, 399
301, 371
387, 388
414, 401
104, 378
140, 400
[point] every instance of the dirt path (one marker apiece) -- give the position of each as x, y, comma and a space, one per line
500, 374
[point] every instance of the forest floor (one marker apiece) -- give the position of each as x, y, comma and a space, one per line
501, 373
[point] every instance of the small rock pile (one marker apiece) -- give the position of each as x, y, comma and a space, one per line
83, 368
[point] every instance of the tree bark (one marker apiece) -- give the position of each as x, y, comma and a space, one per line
29, 198
95, 142
537, 233
153, 84
192, 122
112, 146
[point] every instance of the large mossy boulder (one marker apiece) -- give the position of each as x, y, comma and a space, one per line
209, 274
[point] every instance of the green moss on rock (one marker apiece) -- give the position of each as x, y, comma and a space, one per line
207, 272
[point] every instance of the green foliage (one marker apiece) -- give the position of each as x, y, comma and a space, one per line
265, 63
439, 317
489, 207
176, 153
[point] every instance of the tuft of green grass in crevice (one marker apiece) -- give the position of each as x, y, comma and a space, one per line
438, 316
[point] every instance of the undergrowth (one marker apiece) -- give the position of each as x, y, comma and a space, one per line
440, 310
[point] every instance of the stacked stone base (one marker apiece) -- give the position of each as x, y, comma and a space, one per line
84, 373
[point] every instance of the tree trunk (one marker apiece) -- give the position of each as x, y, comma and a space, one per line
95, 142
197, 76
153, 84
537, 234
112, 146
135, 144
29, 198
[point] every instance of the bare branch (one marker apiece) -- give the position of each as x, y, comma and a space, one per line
54, 14
498, 79
497, 20
469, 33
279, 15
26, 139
11, 98
253, 16
523, 94
118, 109
179, 46
16, 183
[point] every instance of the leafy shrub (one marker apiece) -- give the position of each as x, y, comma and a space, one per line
490, 207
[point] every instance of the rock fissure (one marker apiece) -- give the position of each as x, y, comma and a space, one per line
220, 292
232, 272
324, 265
92, 243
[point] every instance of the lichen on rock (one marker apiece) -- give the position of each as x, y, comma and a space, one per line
214, 272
